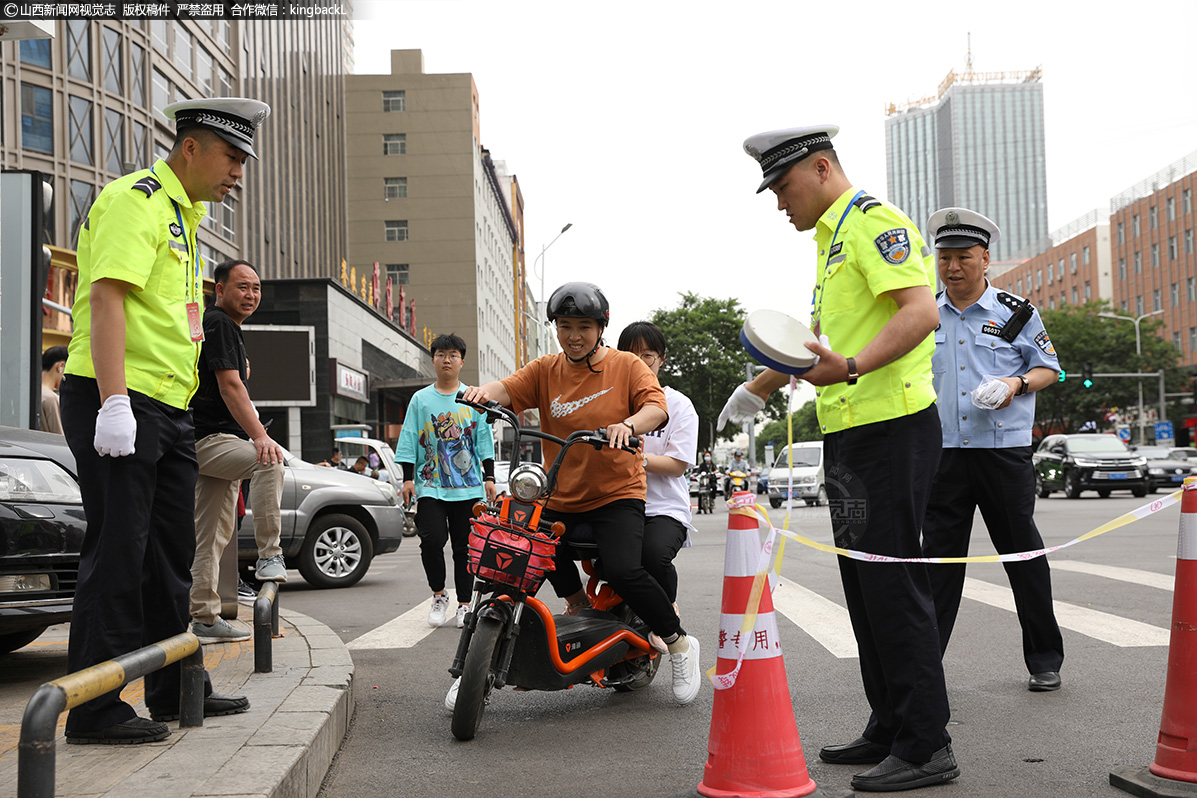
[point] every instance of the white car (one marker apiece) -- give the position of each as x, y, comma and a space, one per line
807, 478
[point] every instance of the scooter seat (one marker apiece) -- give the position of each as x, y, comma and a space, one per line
585, 621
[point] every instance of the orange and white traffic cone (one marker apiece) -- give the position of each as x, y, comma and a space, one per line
1174, 771
753, 750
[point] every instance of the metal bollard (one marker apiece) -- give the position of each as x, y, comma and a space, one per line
265, 627
35, 751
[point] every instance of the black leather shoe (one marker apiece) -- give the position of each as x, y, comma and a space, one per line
858, 752
897, 774
131, 732
1044, 682
215, 705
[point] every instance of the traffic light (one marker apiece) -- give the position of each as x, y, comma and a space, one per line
1062, 375
1087, 374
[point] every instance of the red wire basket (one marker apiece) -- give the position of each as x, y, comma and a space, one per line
511, 556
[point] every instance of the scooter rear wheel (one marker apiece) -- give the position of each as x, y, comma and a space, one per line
476, 679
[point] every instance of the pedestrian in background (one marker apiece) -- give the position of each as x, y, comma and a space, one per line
447, 453
129, 378
53, 366
231, 445
882, 440
992, 354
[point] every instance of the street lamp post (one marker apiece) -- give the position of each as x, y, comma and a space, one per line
540, 259
1139, 355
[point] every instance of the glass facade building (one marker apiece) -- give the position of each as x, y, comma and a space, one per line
978, 145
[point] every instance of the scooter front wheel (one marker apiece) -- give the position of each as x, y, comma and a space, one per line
476, 678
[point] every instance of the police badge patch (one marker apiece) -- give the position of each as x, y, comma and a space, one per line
1045, 344
175, 230
894, 245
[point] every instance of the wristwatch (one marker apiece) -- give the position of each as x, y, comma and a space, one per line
628, 424
645, 461
852, 375
1026, 386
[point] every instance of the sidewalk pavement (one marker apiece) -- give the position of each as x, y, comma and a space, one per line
281, 748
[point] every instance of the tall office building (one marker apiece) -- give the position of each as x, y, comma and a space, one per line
978, 144
431, 207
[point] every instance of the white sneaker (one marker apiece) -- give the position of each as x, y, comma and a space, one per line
462, 609
686, 676
440, 606
451, 696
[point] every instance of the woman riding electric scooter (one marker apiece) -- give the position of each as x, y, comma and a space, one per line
589, 386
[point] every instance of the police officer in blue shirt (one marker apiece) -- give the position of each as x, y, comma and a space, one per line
991, 355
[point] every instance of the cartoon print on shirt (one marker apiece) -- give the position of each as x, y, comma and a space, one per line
428, 470
454, 458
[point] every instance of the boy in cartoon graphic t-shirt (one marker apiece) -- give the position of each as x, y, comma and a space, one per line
447, 454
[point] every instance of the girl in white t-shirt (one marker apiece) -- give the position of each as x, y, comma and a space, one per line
668, 452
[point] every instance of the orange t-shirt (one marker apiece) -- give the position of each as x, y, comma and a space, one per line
570, 397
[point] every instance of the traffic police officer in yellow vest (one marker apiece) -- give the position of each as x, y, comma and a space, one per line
876, 405
991, 355
129, 377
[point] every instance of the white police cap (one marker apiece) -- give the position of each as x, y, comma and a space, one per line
778, 150
960, 228
234, 119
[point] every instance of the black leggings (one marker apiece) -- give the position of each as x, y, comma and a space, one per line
663, 539
618, 530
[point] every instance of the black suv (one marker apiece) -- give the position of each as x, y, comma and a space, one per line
41, 533
1074, 463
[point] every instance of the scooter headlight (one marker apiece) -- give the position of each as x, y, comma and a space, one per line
527, 482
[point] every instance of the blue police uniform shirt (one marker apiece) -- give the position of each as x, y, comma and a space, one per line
969, 350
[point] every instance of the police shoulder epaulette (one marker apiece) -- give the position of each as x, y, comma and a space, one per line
1012, 301
937, 296
149, 184
866, 203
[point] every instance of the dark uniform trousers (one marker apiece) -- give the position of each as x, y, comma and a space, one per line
1001, 482
878, 480
135, 566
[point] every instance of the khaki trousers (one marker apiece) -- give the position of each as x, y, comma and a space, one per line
225, 460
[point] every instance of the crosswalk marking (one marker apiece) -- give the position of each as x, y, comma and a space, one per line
822, 619
1132, 575
1122, 632
403, 632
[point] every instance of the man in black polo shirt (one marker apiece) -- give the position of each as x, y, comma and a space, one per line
231, 445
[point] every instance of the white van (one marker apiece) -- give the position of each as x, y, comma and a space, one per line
807, 478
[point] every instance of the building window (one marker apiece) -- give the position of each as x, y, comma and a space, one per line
138, 154
37, 119
78, 49
114, 139
1139, 305
1170, 204
1191, 286
161, 91
394, 100
1175, 294
1138, 263
394, 144
80, 130
137, 73
1153, 216
225, 82
204, 71
1135, 225
1060, 269
1121, 232
111, 49
1084, 258
1155, 300
1176, 340
1074, 295
1192, 340
1039, 278
1019, 290
397, 230
1072, 260
400, 274
1172, 251
1155, 254
1188, 241
1051, 275
1122, 268
81, 196
183, 49
395, 187
228, 219
36, 52
1186, 197
158, 34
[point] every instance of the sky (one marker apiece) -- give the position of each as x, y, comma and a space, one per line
627, 119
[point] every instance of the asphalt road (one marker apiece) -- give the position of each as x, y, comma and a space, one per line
1113, 596
1009, 742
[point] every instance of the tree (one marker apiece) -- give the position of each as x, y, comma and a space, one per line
705, 360
1080, 336
806, 428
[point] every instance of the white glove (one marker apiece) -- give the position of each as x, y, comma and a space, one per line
741, 407
116, 428
825, 341
990, 394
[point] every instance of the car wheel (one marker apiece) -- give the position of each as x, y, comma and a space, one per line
1041, 489
1139, 492
14, 640
1105, 494
336, 551
774, 503
1072, 488
821, 499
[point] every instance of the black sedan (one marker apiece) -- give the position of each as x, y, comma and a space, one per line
41, 532
1075, 463
1165, 468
